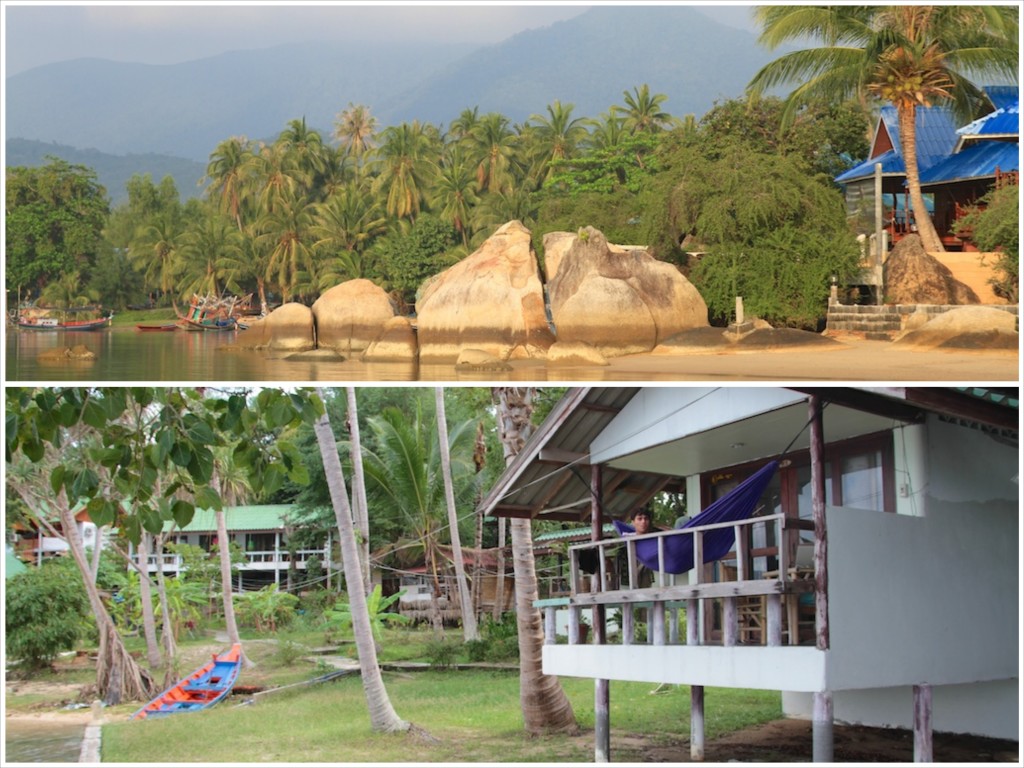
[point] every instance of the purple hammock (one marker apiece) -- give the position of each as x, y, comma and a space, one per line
737, 504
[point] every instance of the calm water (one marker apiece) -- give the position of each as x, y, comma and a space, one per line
42, 742
125, 354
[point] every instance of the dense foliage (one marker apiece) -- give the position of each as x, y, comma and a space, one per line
45, 613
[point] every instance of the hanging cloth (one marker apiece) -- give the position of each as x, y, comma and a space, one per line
737, 504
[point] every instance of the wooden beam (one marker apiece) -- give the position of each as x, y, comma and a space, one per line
602, 700
814, 408
562, 456
923, 723
697, 723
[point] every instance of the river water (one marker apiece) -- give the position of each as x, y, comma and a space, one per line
43, 741
128, 355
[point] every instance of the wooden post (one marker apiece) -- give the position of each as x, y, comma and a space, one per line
627, 623
697, 723
730, 621
549, 624
923, 723
692, 622
673, 626
656, 628
602, 720
574, 624
820, 533
774, 619
821, 728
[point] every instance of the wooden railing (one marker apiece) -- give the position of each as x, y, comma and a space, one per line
771, 598
280, 558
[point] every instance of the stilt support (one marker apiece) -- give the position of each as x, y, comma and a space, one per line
922, 723
821, 732
602, 725
697, 723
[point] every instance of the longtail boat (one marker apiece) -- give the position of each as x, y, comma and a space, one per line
56, 319
210, 313
156, 327
209, 684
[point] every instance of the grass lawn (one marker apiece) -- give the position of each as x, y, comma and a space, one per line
130, 317
468, 715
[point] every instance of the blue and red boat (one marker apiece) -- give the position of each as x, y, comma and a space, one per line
206, 686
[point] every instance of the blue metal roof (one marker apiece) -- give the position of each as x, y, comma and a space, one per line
936, 138
977, 160
1005, 121
892, 165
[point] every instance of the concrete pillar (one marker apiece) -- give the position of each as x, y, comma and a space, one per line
697, 723
923, 723
821, 728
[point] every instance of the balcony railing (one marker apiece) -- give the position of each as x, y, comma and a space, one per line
253, 559
753, 607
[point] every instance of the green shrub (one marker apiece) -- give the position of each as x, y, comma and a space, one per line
441, 654
46, 611
995, 226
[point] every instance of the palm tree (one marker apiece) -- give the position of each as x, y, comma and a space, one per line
355, 128
404, 472
463, 126
607, 132
227, 169
382, 714
345, 223
67, 291
909, 56
287, 232
305, 147
454, 193
359, 504
493, 149
545, 706
558, 135
465, 603
157, 253
642, 111
206, 248
404, 156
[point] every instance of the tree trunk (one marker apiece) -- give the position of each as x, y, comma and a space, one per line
362, 517
469, 629
382, 715
146, 598
118, 677
908, 143
545, 706
499, 584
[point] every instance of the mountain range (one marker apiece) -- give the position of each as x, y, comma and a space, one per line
140, 111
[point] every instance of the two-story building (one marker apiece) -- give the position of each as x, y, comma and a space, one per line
876, 581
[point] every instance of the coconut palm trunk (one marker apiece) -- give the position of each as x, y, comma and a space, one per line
469, 629
382, 714
545, 706
907, 116
146, 599
362, 518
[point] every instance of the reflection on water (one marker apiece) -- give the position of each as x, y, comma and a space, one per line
127, 355
32, 741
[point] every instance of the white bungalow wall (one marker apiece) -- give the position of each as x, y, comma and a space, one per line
933, 598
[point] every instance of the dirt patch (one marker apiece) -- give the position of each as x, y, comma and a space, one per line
789, 741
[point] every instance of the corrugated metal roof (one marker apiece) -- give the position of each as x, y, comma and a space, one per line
976, 161
571, 533
936, 137
267, 517
1005, 121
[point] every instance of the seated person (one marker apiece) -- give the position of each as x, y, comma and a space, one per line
642, 522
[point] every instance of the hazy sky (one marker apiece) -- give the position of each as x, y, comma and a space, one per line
166, 33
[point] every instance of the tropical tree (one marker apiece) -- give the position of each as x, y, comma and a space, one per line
642, 110
67, 291
157, 253
493, 150
404, 158
286, 230
209, 249
454, 191
557, 136
545, 706
355, 128
465, 604
382, 714
345, 224
404, 471
305, 147
227, 169
910, 56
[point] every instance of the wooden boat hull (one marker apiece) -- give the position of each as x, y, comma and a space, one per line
206, 686
163, 327
79, 325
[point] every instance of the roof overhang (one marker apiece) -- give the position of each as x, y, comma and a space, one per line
551, 478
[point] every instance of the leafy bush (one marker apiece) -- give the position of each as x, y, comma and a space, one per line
441, 654
46, 609
267, 609
995, 226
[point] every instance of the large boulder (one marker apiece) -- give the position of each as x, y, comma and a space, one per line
556, 245
289, 328
350, 316
620, 300
396, 343
490, 301
982, 328
912, 276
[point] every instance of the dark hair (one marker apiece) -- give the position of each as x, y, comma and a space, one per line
645, 511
